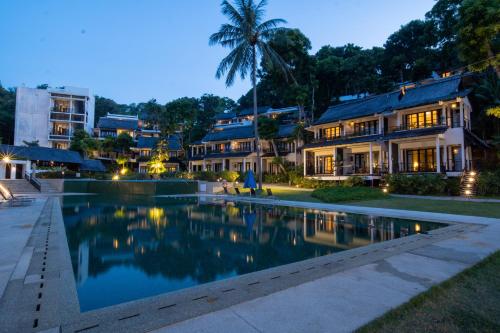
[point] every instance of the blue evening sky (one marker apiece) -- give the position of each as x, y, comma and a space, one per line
132, 50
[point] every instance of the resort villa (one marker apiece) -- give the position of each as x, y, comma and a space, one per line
423, 127
231, 145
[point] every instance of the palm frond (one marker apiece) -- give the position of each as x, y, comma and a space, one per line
225, 33
273, 59
232, 13
270, 26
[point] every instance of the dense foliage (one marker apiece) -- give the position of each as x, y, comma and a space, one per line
422, 184
343, 194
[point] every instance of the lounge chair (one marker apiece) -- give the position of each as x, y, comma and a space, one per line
12, 200
252, 192
237, 190
270, 193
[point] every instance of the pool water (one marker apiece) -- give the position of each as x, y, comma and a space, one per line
127, 248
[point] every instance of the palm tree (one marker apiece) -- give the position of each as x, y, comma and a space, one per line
248, 36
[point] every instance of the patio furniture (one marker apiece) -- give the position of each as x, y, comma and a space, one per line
237, 190
12, 200
252, 192
270, 193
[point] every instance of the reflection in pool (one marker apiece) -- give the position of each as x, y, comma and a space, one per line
127, 248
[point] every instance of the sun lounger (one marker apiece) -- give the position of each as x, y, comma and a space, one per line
237, 190
270, 193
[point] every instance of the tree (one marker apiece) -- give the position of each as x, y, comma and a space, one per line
83, 143
35, 143
179, 114
487, 92
123, 142
268, 130
156, 165
479, 34
248, 36
7, 113
151, 114
103, 106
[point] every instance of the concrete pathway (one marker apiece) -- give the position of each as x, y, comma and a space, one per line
347, 300
431, 197
16, 224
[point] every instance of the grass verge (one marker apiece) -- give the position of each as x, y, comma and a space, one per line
344, 194
469, 302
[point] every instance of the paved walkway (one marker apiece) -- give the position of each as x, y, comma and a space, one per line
347, 300
430, 197
16, 224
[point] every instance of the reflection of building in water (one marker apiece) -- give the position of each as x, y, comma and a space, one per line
83, 262
345, 231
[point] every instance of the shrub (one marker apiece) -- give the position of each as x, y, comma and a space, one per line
230, 176
488, 183
343, 193
416, 184
353, 181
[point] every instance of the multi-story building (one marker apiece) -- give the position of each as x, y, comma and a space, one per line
51, 116
147, 144
231, 144
421, 128
115, 124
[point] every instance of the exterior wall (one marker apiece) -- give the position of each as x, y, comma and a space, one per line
32, 116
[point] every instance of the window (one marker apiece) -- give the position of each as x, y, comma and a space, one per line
421, 160
325, 164
422, 119
245, 146
366, 128
331, 133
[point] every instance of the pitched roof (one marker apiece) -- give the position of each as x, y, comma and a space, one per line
41, 154
92, 165
225, 116
116, 123
443, 89
286, 131
233, 133
145, 142
249, 111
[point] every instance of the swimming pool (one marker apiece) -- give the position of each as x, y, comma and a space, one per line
130, 247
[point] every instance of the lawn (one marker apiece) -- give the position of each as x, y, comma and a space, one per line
469, 302
346, 195
485, 209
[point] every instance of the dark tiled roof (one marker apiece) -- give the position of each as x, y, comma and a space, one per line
42, 154
443, 89
144, 142
415, 133
92, 165
342, 141
225, 116
241, 132
113, 123
286, 131
249, 111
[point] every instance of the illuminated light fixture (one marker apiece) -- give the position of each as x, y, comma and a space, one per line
467, 192
351, 123
115, 177
471, 179
385, 190
417, 227
469, 185
6, 159
472, 173
123, 171
454, 105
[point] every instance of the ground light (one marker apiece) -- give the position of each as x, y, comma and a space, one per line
116, 177
123, 171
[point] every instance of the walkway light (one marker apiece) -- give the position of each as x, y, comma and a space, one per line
123, 171
115, 177
385, 190
472, 173
467, 192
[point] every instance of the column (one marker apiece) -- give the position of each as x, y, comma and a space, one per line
371, 159
438, 155
315, 163
445, 157
390, 157
204, 165
334, 161
244, 168
223, 164
462, 151
443, 115
304, 154
461, 114
381, 125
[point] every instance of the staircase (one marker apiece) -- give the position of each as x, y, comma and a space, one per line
48, 185
468, 184
19, 186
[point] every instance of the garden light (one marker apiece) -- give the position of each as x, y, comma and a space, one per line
123, 171
116, 177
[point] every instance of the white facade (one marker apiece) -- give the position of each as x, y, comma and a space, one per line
52, 115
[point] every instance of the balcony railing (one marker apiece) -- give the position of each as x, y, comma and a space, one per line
341, 169
343, 137
410, 127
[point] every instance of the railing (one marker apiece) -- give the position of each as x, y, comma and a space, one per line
343, 137
340, 169
410, 127
420, 168
33, 181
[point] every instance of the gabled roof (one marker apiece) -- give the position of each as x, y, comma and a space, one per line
41, 154
233, 133
249, 111
93, 166
225, 116
116, 123
442, 89
286, 131
145, 142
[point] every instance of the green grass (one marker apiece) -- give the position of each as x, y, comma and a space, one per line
469, 302
485, 209
286, 194
344, 194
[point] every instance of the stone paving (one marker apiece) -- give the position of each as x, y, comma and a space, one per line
334, 293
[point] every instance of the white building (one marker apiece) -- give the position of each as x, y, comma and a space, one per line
51, 116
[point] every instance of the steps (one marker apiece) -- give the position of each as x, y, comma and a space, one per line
49, 185
468, 184
19, 186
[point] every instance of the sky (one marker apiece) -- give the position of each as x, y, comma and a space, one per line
133, 50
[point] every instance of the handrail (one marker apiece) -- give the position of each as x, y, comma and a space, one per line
33, 181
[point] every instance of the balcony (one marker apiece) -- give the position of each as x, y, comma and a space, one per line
341, 169
412, 127
345, 137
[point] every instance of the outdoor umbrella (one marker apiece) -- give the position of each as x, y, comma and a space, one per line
250, 180
249, 218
